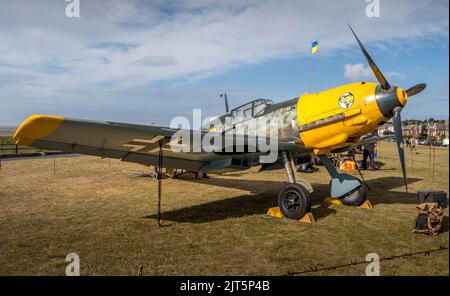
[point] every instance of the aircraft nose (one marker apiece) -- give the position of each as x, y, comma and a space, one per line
391, 100
402, 96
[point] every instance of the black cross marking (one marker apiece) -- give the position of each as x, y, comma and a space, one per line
146, 145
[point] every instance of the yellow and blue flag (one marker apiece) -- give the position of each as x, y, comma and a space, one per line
314, 47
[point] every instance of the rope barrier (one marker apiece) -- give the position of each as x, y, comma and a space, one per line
314, 268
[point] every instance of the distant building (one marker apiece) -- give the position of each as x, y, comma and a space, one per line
419, 129
412, 130
438, 130
387, 128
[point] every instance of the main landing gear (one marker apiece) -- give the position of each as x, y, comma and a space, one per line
294, 200
349, 189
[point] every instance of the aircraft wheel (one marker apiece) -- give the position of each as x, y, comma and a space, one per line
294, 201
357, 197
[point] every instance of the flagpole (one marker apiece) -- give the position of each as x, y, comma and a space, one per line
309, 69
309, 74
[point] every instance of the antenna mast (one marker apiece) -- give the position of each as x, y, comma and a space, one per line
227, 107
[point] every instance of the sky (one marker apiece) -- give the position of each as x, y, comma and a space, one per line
149, 61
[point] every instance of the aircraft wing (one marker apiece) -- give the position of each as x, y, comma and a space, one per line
364, 141
373, 139
127, 142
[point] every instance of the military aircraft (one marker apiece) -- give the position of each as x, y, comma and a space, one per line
329, 121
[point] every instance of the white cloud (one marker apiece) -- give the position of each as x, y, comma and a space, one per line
359, 72
124, 44
394, 75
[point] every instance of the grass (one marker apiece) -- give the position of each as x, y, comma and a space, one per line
211, 226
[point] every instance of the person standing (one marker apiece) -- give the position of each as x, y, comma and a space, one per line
369, 152
413, 144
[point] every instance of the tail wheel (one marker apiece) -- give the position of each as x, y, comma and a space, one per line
356, 197
294, 201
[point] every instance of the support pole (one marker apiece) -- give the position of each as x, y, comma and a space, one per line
1, 151
159, 176
360, 173
434, 161
429, 153
429, 142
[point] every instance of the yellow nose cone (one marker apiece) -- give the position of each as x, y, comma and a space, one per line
402, 96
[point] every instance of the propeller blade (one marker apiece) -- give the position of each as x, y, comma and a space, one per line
383, 82
397, 121
416, 89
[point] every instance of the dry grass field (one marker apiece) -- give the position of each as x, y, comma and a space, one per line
211, 226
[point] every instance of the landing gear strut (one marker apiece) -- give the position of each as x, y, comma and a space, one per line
293, 199
351, 190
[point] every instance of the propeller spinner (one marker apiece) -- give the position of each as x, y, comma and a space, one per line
391, 101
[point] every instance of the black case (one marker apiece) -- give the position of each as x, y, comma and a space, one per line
439, 197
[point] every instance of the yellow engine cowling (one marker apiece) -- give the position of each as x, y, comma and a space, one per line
329, 119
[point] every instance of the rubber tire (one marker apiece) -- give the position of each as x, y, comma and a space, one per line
357, 197
301, 194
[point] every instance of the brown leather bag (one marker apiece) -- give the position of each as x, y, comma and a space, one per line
429, 218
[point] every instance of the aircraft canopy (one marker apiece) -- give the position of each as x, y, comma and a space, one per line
250, 109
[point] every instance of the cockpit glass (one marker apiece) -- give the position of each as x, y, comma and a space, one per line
259, 109
250, 109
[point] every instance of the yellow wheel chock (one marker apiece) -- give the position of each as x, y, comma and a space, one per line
366, 205
338, 202
308, 218
333, 201
276, 213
